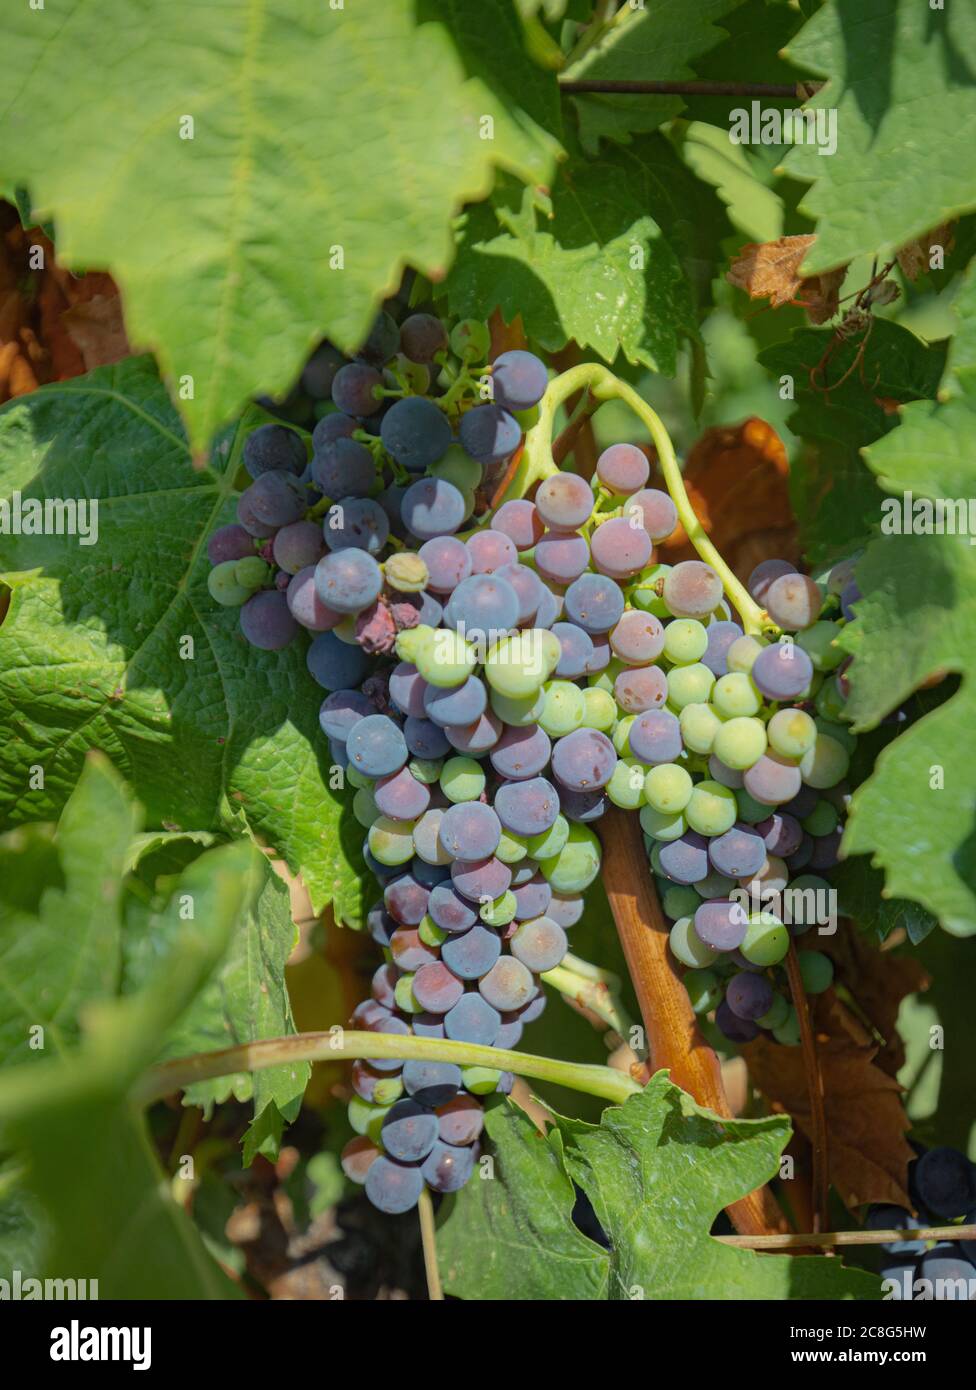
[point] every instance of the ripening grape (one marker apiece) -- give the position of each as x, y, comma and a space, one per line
692, 589
623, 469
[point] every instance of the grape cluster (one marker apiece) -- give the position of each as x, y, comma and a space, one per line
942, 1184
494, 682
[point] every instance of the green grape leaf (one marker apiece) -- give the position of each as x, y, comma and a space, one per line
835, 497
657, 1170
915, 814
961, 367
753, 207
861, 896
329, 146
904, 101
93, 651
656, 42
596, 266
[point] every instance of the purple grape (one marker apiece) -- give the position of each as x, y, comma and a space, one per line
489, 433
473, 1020
535, 1008
564, 501
348, 581
801, 805
851, 595
432, 507
519, 520
456, 704
561, 557
431, 1083
449, 911
509, 1034
623, 469
471, 954
519, 379
353, 388
430, 875
721, 635
356, 523
764, 574
521, 753
416, 433
425, 739
230, 543
475, 738
801, 857
539, 944
725, 776
461, 1120
582, 807
448, 561
341, 711
685, 860
576, 650
794, 601
343, 468
739, 853
655, 737
447, 1169
266, 621
305, 605
407, 689
275, 499
410, 1129
653, 510
566, 909
619, 549
721, 924
380, 924
532, 899
427, 1025
584, 760
638, 638
602, 654
401, 796
393, 1187
749, 995
249, 519
772, 781
422, 336
470, 830
481, 879
594, 601
409, 952
490, 550
550, 609
528, 588
782, 833
298, 546
782, 671
383, 986
376, 746
692, 589
737, 1030
405, 899
826, 850
508, 985
435, 988
383, 340
528, 807
482, 605
274, 449
332, 427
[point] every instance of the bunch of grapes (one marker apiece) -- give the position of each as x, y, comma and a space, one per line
942, 1184
494, 682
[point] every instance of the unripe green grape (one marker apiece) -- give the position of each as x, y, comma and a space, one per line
388, 1090
816, 971
426, 770
599, 709
346, 630
704, 990
521, 712
519, 666
750, 810
357, 779
678, 900
458, 467
735, 696
470, 502
819, 643
822, 820
512, 848
501, 911
840, 732
430, 933
791, 733
688, 947
406, 1000
563, 710
788, 1033
712, 809
527, 418
825, 764
644, 594
224, 587
410, 641
480, 1081
391, 841
662, 826
462, 779
626, 785
699, 725
685, 640
446, 659
766, 941
776, 1015
668, 788
620, 738
830, 703
742, 654
771, 878
550, 842
689, 685
252, 572
470, 340
740, 743
406, 572
365, 1118
604, 680
577, 863
364, 807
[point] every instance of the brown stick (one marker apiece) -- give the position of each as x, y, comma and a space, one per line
822, 1238
673, 1037
811, 1065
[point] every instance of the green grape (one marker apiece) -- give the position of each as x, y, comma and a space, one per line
519, 666
822, 820
388, 1091
346, 630
470, 340
457, 467
406, 572
564, 708
480, 1081
357, 779
446, 659
668, 788
500, 912
699, 725
743, 652
820, 646
410, 641
252, 572
527, 418
599, 709
788, 1033
604, 679
816, 971
661, 826
685, 640
766, 941
366, 1118
577, 863
704, 990
620, 738
735, 696
550, 842
470, 502
406, 1000
677, 900
430, 933
364, 807
740, 743
426, 770
825, 764
830, 703
776, 1015
689, 685
750, 810
521, 712
840, 732
791, 733
644, 594
462, 779
223, 585
512, 848
391, 841
626, 785
711, 808
687, 946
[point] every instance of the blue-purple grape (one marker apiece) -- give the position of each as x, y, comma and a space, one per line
782, 671
409, 1131
432, 507
401, 796
471, 954
297, 546
376, 746
594, 602
431, 1083
393, 1187
532, 899
446, 1168
266, 621
274, 449
519, 379
356, 523
749, 995
623, 469
341, 711
539, 944
470, 830
521, 753
448, 562
481, 879
473, 1020
456, 704
583, 761
306, 606
489, 433
354, 387
655, 737
416, 433
348, 581
422, 336
449, 910
343, 468
529, 807
231, 542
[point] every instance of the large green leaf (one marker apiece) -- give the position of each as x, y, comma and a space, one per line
901, 85
653, 42
316, 129
918, 617
598, 265
92, 651
657, 1170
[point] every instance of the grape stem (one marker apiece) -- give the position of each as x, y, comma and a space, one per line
428, 1237
182, 1072
537, 463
